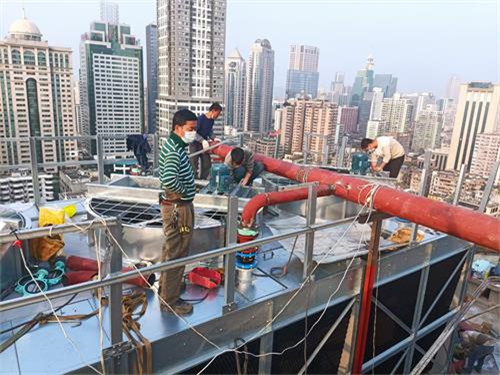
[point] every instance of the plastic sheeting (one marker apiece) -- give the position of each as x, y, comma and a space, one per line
325, 241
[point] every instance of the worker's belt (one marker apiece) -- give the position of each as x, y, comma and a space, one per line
164, 202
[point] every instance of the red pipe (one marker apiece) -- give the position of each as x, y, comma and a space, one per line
268, 199
456, 221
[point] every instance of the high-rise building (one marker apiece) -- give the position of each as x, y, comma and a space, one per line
18, 187
363, 82
191, 43
376, 104
109, 12
338, 90
387, 83
349, 118
259, 87
427, 129
309, 125
374, 128
152, 74
234, 91
453, 88
111, 85
477, 112
424, 99
397, 113
302, 76
36, 94
78, 108
364, 111
486, 153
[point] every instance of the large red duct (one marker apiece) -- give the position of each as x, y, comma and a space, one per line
268, 199
456, 221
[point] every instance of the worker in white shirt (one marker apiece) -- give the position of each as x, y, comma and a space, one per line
387, 148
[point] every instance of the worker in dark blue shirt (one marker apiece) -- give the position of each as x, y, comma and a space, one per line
204, 133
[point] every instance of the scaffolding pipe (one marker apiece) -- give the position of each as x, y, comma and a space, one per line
456, 221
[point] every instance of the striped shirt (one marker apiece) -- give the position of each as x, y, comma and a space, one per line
176, 172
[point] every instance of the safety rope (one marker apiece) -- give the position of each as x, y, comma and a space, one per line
144, 351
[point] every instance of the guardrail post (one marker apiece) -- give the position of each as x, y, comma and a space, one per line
422, 188
489, 187
100, 158
341, 152
460, 182
277, 147
156, 152
309, 242
34, 172
115, 301
230, 259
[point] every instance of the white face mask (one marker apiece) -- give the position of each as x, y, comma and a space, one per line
189, 136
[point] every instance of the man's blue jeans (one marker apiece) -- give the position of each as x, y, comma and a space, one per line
478, 354
240, 172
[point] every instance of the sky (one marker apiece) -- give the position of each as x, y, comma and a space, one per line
422, 42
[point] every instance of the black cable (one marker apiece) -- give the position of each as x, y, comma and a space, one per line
195, 301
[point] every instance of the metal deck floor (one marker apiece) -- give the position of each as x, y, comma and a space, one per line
48, 340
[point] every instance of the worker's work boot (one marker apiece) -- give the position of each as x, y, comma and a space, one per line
180, 308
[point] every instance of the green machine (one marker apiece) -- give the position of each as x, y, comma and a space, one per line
360, 163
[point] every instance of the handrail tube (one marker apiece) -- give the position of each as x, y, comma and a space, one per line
28, 234
122, 277
284, 196
456, 221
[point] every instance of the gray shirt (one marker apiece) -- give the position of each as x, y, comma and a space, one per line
247, 163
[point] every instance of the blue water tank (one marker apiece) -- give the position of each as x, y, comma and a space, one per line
359, 163
220, 178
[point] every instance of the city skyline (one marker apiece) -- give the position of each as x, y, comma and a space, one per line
418, 66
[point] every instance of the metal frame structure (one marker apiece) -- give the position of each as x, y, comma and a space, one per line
259, 313
377, 272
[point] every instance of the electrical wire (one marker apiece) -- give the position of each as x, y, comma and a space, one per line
190, 326
69, 339
369, 200
29, 321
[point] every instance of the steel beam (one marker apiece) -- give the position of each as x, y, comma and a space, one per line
266, 346
326, 337
421, 292
366, 301
443, 289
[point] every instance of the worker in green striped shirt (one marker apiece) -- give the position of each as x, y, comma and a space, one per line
176, 202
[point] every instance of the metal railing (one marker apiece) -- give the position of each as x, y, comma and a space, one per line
100, 158
115, 278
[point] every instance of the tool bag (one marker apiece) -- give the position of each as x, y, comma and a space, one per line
46, 248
